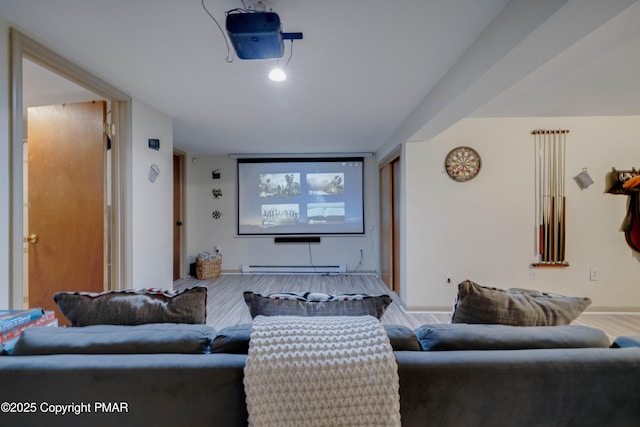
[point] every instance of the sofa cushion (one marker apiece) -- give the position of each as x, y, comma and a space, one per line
516, 307
462, 336
316, 304
232, 339
134, 306
235, 339
116, 339
402, 338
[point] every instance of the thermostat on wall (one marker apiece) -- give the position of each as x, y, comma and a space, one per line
154, 144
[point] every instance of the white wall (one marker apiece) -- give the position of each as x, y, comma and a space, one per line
152, 203
5, 194
204, 232
483, 229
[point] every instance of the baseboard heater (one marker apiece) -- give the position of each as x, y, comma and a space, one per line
294, 269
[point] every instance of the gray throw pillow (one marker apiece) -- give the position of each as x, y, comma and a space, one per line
116, 339
462, 336
316, 304
516, 307
134, 306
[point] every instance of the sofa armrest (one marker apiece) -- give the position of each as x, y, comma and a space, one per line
162, 390
541, 387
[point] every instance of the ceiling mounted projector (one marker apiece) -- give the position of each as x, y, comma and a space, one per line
257, 35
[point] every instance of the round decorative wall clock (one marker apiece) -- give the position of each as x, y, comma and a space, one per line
462, 164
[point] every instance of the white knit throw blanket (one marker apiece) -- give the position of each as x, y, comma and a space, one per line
321, 371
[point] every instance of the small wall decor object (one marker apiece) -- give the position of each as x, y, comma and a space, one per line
624, 182
154, 171
583, 179
462, 164
216, 214
627, 183
550, 202
217, 193
215, 174
154, 144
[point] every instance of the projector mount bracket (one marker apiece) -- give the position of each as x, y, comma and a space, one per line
259, 5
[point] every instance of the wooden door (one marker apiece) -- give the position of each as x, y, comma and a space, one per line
386, 231
390, 224
395, 191
66, 197
177, 214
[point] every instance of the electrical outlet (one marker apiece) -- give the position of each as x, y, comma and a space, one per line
532, 274
448, 280
594, 274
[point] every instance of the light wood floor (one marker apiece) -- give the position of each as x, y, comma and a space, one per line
226, 306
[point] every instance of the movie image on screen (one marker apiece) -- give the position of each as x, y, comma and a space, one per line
325, 213
310, 196
325, 183
285, 214
279, 184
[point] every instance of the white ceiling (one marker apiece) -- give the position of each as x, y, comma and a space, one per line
598, 75
366, 76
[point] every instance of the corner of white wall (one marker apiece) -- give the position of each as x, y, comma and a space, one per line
152, 203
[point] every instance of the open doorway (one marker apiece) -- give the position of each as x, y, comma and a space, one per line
69, 107
66, 211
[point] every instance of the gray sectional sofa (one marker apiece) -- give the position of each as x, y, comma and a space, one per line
192, 375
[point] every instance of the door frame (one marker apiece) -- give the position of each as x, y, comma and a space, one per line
182, 155
396, 228
23, 46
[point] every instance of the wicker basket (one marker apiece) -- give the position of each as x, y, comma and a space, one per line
208, 269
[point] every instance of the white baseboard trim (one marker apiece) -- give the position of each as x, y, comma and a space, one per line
424, 309
294, 269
